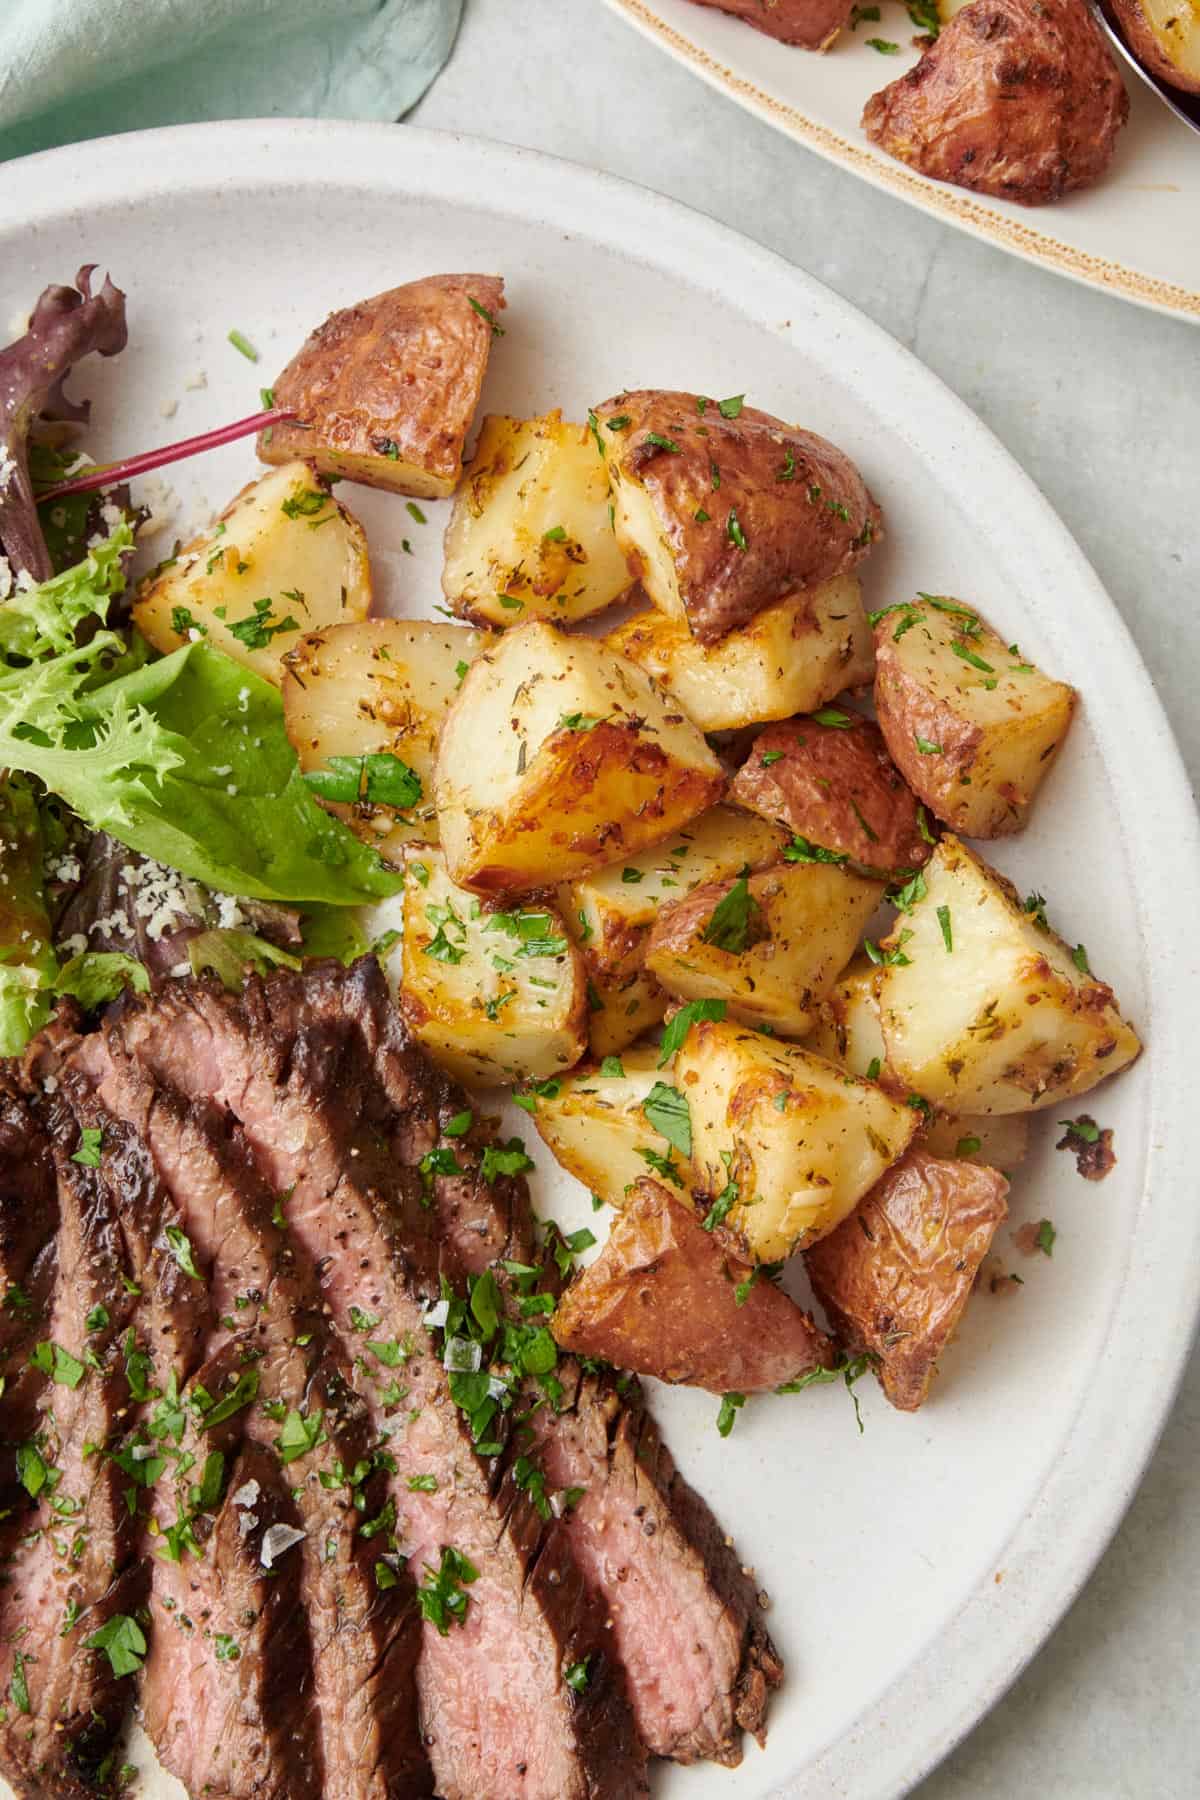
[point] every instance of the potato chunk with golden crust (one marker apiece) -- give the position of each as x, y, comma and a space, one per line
784, 1144
284, 558
492, 995
385, 391
663, 1298
831, 781
895, 1276
984, 1009
380, 687
596, 1126
530, 535
1021, 99
769, 944
611, 911
970, 723
723, 510
620, 1009
558, 756
813, 24
789, 658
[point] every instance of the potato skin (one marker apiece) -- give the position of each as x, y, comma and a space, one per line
802, 507
1020, 99
836, 786
659, 1300
895, 1276
1146, 41
812, 24
385, 391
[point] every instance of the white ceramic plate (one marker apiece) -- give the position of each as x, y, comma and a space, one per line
1134, 234
913, 1569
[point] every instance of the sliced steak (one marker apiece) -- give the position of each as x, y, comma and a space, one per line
225, 1687
363, 1622
500, 1720
686, 1620
72, 1571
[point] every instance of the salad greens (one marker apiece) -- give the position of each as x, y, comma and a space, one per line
184, 759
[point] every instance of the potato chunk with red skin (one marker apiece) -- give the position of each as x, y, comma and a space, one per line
972, 725
385, 391
662, 1299
837, 786
895, 1276
722, 514
1020, 99
812, 24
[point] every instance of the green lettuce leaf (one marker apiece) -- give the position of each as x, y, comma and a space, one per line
28, 964
95, 977
185, 759
229, 952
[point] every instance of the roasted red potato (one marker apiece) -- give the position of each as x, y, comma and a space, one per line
970, 722
1020, 99
895, 1276
722, 510
1165, 36
835, 786
664, 1299
812, 24
385, 391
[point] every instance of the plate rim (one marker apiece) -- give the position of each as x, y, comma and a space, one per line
927, 1706
948, 204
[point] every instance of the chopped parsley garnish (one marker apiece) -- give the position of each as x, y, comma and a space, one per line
736, 919
122, 1641
422, 1484
662, 443
442, 1598
485, 315
734, 532
303, 503
884, 46
244, 1390
1035, 906
183, 621
833, 715
52, 1360
719, 1211
701, 517
968, 1146
594, 428
771, 756
619, 422
414, 512
731, 1404
969, 656
667, 1111
18, 1687
800, 850
300, 1433
98, 1318
631, 877
549, 1089
612, 1066
1080, 959
889, 959
91, 1141
257, 629
579, 722
531, 1480
1083, 1127
181, 1250
661, 1165
925, 747
847, 1369
576, 1674
731, 408
905, 897
1046, 1235
242, 343
227, 1648
459, 1125
678, 1027
504, 1159
943, 919
873, 1068
33, 1472
378, 778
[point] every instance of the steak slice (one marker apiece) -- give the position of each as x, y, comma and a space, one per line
225, 1686
363, 1623
499, 1718
71, 1571
685, 1617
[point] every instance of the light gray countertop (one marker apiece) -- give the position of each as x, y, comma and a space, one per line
1098, 400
